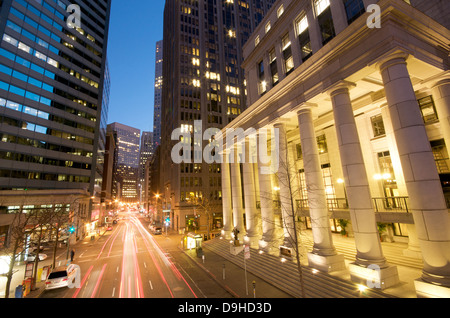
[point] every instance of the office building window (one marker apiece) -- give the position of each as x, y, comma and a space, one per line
273, 66
323, 12
378, 126
287, 54
303, 38
428, 109
262, 85
353, 9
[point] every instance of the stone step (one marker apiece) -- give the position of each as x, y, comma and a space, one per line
286, 276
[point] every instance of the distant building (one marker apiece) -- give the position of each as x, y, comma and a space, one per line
158, 94
126, 162
146, 152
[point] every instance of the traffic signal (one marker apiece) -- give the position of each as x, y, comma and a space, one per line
72, 229
167, 221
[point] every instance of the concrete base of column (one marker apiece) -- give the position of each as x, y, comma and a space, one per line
428, 290
374, 277
269, 247
327, 264
413, 251
226, 234
253, 241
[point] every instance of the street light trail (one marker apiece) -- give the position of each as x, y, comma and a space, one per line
83, 281
163, 255
104, 245
153, 258
112, 243
98, 281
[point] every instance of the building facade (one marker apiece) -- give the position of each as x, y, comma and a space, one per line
53, 96
158, 94
202, 81
354, 106
126, 162
146, 152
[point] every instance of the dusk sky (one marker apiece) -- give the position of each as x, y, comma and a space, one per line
135, 27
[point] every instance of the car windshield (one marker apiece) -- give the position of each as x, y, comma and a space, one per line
57, 274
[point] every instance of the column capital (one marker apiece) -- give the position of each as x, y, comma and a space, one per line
442, 78
391, 58
340, 87
306, 106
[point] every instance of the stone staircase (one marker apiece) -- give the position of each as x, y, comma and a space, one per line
285, 275
392, 251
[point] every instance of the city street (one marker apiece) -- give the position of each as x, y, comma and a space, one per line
128, 262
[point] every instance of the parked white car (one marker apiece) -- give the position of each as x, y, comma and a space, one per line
32, 257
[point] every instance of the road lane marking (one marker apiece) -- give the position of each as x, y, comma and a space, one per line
150, 282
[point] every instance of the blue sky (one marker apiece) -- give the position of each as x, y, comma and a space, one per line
135, 27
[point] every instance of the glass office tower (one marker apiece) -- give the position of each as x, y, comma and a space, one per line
54, 89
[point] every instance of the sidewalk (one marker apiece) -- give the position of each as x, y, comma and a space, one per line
40, 286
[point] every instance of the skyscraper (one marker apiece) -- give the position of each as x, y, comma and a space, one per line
202, 80
53, 94
126, 162
146, 152
158, 92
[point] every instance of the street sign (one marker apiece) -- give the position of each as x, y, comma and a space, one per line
247, 251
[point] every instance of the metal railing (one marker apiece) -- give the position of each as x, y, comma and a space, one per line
384, 204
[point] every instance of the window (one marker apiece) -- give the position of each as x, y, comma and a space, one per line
303, 38
322, 144
262, 85
325, 20
280, 11
287, 54
378, 126
353, 8
268, 26
273, 66
428, 109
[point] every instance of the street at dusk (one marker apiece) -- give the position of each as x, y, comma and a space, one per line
224, 156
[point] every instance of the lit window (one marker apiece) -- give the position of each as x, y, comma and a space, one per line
321, 5
280, 11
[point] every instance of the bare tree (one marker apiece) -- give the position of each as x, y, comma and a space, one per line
205, 206
17, 243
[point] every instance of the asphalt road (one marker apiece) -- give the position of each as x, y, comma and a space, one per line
129, 262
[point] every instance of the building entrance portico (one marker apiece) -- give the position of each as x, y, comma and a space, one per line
349, 115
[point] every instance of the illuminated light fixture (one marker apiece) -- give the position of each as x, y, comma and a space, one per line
362, 288
283, 260
261, 252
276, 188
314, 271
340, 181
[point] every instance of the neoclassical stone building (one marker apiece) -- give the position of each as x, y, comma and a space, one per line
360, 103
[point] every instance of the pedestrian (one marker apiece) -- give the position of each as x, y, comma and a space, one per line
72, 254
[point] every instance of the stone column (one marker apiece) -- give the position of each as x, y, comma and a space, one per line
323, 255
226, 197
426, 197
413, 249
369, 255
236, 189
268, 242
251, 213
284, 181
441, 97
